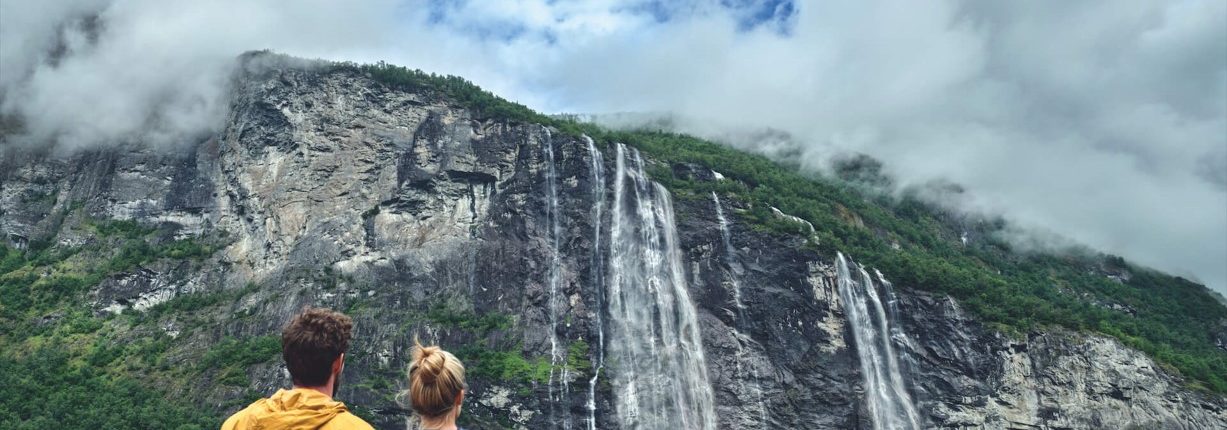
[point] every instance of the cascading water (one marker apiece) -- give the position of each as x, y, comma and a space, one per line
892, 310
557, 362
730, 256
598, 198
660, 375
890, 406
743, 341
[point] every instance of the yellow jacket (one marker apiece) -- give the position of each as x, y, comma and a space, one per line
297, 409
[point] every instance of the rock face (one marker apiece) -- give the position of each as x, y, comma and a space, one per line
411, 214
969, 377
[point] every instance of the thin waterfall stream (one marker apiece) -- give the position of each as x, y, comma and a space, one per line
558, 368
598, 198
739, 329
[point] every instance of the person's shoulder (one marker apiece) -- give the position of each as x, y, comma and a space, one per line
238, 420
348, 421
232, 423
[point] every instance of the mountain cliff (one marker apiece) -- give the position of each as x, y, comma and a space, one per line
587, 278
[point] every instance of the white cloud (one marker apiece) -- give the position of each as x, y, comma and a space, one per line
152, 70
1103, 122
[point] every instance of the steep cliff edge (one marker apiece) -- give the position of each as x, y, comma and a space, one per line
491, 237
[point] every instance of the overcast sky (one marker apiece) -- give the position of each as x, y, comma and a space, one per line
1105, 122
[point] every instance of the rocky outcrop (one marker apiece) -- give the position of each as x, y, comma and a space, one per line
969, 377
411, 214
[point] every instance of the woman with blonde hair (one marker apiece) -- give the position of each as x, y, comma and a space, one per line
436, 387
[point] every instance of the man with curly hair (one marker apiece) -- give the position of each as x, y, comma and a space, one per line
313, 345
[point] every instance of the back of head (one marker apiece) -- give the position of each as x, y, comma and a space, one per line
311, 342
436, 380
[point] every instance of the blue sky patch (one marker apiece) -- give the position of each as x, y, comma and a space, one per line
752, 14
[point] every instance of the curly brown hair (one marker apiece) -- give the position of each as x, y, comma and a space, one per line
312, 341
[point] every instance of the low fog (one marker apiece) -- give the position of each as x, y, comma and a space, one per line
1105, 123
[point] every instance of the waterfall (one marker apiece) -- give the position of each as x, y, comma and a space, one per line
739, 330
598, 199
892, 310
557, 358
730, 256
472, 281
660, 378
890, 406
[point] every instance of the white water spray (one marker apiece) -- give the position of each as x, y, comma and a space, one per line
660, 379
890, 406
557, 361
730, 256
598, 198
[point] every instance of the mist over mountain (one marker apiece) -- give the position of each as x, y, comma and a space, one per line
1103, 123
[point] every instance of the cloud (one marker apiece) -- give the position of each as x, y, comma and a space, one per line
89, 72
1105, 123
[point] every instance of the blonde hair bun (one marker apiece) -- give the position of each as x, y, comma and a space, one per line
436, 380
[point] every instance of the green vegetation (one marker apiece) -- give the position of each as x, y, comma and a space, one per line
189, 303
482, 103
231, 352
38, 280
233, 356
577, 358
370, 213
48, 388
468, 320
135, 251
63, 366
509, 367
127, 228
513, 368
487, 360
